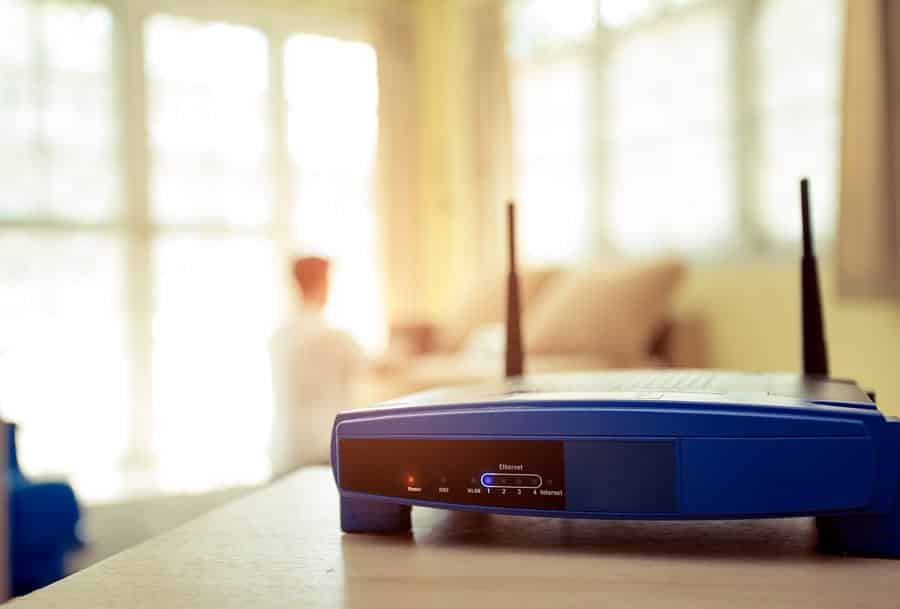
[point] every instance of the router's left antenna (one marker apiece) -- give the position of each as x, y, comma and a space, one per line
815, 350
515, 356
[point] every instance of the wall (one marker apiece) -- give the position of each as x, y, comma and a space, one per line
752, 311
440, 163
454, 180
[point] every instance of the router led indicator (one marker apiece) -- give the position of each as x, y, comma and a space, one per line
500, 480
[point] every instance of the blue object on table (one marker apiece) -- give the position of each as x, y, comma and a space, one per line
43, 517
649, 445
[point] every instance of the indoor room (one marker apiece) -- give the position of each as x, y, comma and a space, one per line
223, 223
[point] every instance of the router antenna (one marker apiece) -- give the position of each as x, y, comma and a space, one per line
515, 357
815, 351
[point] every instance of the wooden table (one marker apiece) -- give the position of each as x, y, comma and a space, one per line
282, 547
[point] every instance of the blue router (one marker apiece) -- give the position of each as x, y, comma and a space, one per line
666, 445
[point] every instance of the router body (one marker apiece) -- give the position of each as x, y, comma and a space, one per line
631, 445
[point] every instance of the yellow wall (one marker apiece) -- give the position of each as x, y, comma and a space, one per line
753, 316
445, 203
439, 179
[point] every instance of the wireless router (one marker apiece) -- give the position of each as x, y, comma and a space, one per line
673, 445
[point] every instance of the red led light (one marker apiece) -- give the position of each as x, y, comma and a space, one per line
410, 480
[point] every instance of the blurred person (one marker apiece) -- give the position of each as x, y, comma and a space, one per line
314, 366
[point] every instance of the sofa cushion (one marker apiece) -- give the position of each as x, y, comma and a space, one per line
483, 301
612, 312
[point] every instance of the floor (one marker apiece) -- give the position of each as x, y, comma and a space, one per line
109, 528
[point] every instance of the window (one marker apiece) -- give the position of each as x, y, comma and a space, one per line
553, 158
650, 126
669, 138
208, 95
63, 321
797, 51
332, 130
62, 356
212, 261
553, 145
59, 159
139, 316
209, 382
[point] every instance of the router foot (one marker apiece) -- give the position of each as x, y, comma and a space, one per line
864, 535
365, 516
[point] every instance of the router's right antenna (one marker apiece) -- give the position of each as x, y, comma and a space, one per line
815, 351
515, 357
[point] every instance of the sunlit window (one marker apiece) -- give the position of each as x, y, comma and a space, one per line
544, 25
332, 97
214, 311
670, 139
618, 13
59, 155
63, 353
214, 294
552, 161
207, 85
63, 320
623, 13
689, 127
797, 106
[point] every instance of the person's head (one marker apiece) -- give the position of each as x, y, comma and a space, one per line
311, 276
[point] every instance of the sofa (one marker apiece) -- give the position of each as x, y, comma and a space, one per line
574, 319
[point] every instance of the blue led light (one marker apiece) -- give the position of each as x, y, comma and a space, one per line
488, 480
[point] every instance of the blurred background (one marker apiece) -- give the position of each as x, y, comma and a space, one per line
161, 160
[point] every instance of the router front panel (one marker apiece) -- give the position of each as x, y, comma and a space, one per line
557, 475
614, 459
689, 477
